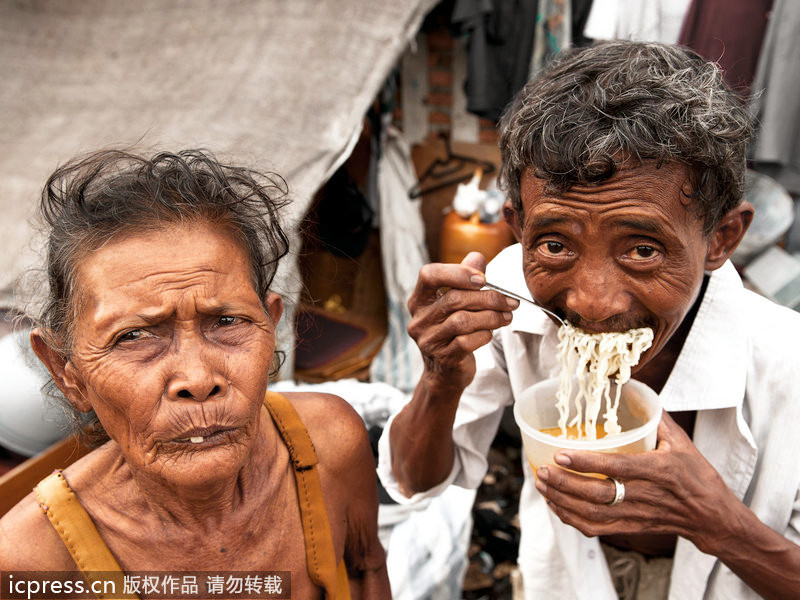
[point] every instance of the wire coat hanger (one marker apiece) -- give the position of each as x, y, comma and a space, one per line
441, 168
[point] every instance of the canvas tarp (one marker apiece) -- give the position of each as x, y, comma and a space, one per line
281, 85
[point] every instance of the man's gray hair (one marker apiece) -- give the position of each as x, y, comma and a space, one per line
593, 109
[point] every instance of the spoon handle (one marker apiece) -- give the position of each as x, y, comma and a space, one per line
497, 288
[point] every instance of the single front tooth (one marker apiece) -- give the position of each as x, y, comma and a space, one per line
196, 439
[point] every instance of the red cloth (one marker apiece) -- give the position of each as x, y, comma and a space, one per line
730, 33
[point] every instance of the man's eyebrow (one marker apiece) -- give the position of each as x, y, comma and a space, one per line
545, 222
645, 225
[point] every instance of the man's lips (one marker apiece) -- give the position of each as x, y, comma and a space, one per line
618, 324
596, 329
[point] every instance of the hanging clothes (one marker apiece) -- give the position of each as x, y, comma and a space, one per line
730, 33
500, 37
553, 32
581, 9
403, 253
776, 99
643, 20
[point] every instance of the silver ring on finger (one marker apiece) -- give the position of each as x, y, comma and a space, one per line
619, 492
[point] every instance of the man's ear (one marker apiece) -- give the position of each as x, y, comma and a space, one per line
512, 219
274, 304
727, 235
63, 371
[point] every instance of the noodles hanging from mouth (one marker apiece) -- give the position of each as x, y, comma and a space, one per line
594, 358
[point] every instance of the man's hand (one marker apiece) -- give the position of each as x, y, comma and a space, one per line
451, 318
672, 489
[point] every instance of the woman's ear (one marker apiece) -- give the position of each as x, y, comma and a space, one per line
727, 235
274, 305
61, 370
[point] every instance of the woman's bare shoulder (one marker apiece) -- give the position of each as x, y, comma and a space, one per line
27, 538
28, 542
335, 428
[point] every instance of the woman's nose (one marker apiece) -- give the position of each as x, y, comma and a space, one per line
597, 295
195, 375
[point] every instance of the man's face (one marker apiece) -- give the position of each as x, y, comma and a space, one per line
173, 349
627, 253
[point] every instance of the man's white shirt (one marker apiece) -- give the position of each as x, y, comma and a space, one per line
739, 368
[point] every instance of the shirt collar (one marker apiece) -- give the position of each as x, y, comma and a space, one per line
711, 369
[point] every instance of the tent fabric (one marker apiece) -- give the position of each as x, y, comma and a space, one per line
279, 85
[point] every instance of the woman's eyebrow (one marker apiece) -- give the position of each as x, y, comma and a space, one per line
221, 308
123, 318
154, 317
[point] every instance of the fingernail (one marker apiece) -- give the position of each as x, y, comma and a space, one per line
542, 473
541, 487
512, 302
507, 316
478, 280
563, 460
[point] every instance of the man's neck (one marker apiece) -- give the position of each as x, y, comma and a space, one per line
657, 371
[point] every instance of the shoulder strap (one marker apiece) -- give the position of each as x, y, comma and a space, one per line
77, 531
316, 529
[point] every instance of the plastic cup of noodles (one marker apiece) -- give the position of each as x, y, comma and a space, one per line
638, 415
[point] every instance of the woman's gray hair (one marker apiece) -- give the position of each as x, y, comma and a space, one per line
592, 110
96, 198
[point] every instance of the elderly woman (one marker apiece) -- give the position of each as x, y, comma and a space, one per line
160, 327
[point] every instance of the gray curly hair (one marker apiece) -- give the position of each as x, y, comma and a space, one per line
593, 109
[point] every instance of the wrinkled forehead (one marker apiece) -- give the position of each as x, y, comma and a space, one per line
143, 267
647, 181
646, 197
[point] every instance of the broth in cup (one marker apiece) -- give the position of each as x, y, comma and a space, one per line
536, 415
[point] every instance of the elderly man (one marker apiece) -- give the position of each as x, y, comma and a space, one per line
625, 165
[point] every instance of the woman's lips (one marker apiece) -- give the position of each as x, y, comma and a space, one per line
204, 436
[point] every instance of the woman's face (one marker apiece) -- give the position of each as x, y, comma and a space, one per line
172, 350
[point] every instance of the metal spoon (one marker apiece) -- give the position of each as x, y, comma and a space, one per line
497, 288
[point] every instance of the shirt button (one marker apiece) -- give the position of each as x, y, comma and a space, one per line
591, 553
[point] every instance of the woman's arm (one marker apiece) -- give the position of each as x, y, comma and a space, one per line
28, 541
350, 486
363, 552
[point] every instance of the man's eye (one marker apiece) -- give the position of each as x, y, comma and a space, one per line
643, 252
553, 247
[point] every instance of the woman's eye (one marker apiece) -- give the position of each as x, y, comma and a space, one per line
131, 336
227, 321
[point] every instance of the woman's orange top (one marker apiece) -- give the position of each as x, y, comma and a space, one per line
93, 557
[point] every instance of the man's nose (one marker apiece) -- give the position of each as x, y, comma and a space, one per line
597, 294
195, 375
